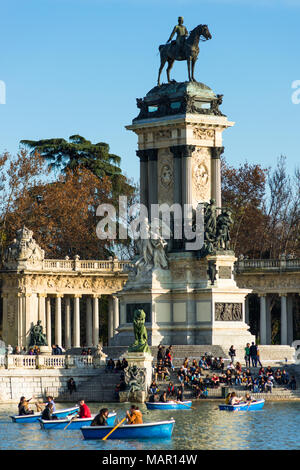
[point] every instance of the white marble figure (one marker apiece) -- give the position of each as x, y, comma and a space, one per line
152, 248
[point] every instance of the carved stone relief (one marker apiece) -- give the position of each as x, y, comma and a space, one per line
201, 175
203, 134
228, 311
165, 177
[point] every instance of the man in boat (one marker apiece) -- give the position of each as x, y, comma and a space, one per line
49, 400
163, 397
153, 398
84, 411
134, 416
47, 414
101, 418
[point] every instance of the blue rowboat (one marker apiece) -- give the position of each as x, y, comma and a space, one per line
75, 424
158, 430
170, 405
255, 405
36, 416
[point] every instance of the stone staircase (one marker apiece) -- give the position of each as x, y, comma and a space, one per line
98, 388
279, 392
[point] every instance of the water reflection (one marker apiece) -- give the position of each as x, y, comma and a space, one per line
205, 427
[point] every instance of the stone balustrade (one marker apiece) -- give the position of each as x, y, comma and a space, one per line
267, 265
85, 265
12, 361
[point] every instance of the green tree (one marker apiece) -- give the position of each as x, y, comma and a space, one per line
77, 152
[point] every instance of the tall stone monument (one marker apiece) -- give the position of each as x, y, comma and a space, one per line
189, 295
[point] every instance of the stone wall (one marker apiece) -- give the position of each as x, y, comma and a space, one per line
39, 383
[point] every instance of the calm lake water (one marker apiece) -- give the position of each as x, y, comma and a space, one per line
275, 427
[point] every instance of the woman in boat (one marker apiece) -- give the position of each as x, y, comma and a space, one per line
23, 407
47, 414
234, 400
227, 399
134, 416
101, 418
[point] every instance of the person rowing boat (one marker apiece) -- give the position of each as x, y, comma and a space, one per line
134, 415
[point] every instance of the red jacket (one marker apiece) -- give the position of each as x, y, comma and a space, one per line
84, 411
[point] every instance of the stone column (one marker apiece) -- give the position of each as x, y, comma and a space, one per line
68, 323
27, 317
48, 321
76, 341
110, 320
187, 193
290, 327
263, 319
216, 153
20, 320
116, 320
95, 320
142, 154
268, 320
283, 328
89, 324
4, 317
58, 322
176, 151
42, 312
152, 178
247, 310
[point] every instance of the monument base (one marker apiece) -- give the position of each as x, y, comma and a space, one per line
185, 304
141, 361
133, 397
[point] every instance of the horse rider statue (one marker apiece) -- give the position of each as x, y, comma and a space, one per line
182, 34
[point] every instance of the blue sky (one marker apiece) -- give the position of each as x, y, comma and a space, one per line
77, 66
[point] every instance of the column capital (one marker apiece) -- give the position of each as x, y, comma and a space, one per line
182, 151
262, 294
58, 295
96, 296
283, 294
216, 152
77, 296
42, 294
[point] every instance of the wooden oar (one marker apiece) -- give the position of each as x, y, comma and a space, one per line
181, 403
70, 422
110, 432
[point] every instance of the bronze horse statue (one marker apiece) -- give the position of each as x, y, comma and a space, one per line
169, 52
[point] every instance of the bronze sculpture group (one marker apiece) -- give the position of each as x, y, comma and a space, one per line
216, 229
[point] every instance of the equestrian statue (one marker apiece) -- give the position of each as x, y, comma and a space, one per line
186, 47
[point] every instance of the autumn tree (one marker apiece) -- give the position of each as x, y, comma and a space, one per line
62, 214
243, 191
18, 174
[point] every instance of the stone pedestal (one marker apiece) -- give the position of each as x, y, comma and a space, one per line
184, 306
133, 397
179, 131
45, 350
142, 361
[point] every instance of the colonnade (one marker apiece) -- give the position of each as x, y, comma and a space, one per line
286, 318
69, 317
